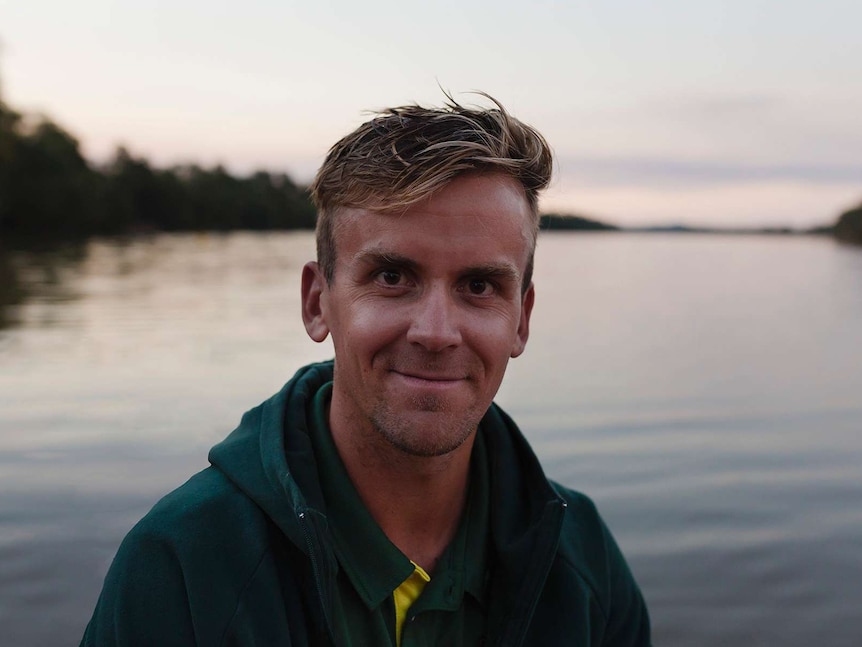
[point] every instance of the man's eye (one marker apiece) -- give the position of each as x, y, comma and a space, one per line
479, 287
390, 277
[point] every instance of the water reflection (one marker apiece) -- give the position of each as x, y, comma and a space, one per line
37, 275
703, 390
11, 291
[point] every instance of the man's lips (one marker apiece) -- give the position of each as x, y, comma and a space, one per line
422, 376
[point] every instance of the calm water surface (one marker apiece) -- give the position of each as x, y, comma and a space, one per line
706, 391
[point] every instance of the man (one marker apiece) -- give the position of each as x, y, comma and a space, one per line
383, 499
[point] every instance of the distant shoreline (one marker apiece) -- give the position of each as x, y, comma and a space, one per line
549, 223
555, 222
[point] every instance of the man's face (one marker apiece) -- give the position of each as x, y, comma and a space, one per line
425, 310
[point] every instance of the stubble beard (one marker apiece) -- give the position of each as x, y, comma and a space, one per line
414, 438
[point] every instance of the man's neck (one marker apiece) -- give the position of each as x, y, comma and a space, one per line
417, 501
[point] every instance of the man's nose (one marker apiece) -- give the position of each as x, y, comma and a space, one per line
434, 321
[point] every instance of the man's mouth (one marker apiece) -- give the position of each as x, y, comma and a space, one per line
429, 377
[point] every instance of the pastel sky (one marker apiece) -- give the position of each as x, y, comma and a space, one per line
671, 111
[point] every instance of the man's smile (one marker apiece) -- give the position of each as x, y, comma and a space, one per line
428, 380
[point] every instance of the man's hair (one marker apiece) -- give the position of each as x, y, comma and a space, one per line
405, 154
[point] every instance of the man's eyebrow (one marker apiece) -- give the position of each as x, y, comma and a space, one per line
501, 271
378, 257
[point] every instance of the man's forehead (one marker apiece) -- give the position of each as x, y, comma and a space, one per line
476, 187
495, 225
371, 233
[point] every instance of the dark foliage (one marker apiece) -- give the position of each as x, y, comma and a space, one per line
48, 190
557, 222
849, 226
47, 187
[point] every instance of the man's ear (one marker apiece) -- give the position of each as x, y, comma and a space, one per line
524, 323
313, 316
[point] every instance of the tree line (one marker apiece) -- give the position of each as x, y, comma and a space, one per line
48, 190
849, 226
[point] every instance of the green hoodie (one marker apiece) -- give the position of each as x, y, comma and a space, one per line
241, 554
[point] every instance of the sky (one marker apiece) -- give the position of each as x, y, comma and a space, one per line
734, 113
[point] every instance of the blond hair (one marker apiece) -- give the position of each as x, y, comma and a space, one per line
405, 154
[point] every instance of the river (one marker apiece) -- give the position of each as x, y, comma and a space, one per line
705, 391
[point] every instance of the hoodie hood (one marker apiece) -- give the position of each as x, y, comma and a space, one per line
275, 469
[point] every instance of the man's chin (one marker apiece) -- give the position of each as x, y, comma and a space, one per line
431, 404
426, 432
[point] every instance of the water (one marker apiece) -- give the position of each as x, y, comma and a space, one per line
704, 390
